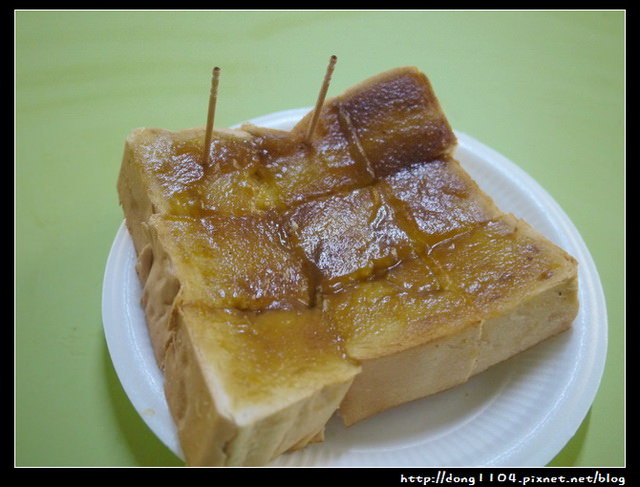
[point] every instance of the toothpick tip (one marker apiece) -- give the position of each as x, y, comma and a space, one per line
213, 96
321, 97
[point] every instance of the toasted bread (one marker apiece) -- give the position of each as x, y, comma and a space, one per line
288, 279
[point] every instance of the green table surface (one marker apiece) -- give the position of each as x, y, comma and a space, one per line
544, 88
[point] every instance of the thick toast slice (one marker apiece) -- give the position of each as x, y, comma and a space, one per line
290, 279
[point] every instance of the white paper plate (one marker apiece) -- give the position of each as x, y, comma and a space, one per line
518, 413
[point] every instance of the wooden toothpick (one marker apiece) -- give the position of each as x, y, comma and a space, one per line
213, 97
321, 97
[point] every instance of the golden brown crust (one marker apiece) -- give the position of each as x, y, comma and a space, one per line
375, 111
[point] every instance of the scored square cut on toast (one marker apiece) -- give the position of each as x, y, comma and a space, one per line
287, 278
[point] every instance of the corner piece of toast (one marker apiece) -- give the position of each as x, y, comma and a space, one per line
288, 279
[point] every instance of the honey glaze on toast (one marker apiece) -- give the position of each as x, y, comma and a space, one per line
287, 277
